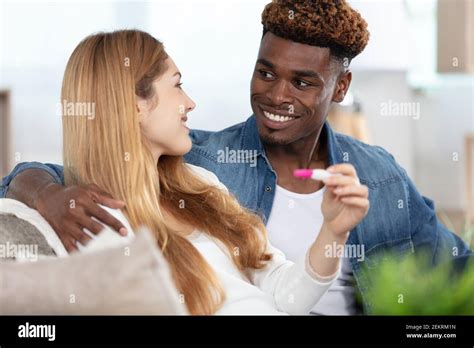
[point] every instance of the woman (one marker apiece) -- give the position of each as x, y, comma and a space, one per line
132, 148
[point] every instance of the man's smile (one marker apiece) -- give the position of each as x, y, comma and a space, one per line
276, 119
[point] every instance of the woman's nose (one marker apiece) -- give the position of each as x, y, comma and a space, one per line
190, 104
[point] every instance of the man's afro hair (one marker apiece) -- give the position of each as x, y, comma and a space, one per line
323, 23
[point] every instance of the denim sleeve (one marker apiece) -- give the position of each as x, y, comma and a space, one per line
56, 171
428, 234
199, 136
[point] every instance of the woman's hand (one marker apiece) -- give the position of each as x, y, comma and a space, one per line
345, 202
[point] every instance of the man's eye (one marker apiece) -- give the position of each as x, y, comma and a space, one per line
266, 74
302, 84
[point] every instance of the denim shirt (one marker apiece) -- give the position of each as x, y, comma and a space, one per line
400, 220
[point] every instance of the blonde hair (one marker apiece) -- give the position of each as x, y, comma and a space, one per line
110, 70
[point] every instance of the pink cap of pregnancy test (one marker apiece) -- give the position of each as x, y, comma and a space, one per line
303, 173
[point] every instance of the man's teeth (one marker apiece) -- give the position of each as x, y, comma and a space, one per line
277, 118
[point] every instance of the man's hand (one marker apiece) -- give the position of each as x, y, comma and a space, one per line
345, 201
345, 204
71, 209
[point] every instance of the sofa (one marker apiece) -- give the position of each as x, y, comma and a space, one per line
38, 278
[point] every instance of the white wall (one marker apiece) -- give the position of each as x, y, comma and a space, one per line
37, 39
440, 158
373, 88
215, 43
390, 35
399, 65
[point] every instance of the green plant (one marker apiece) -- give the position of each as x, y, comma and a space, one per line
411, 286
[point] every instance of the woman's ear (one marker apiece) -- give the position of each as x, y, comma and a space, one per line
342, 86
142, 108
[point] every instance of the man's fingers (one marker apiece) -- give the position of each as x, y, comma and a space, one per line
341, 180
68, 244
78, 234
104, 217
355, 201
352, 190
89, 223
104, 198
343, 168
109, 201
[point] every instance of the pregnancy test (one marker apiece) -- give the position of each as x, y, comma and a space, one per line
315, 174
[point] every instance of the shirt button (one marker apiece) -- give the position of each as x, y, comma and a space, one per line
268, 188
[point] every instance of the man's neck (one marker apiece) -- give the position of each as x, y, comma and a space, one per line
286, 158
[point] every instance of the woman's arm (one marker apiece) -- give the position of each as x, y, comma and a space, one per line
294, 286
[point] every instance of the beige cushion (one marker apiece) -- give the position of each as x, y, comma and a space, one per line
130, 279
15, 232
24, 236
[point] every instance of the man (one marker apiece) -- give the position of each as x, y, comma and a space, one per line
302, 67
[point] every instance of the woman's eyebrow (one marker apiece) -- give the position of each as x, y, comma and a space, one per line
177, 73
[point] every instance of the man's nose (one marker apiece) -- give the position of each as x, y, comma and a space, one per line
280, 93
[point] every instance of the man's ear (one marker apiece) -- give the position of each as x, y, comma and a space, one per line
342, 86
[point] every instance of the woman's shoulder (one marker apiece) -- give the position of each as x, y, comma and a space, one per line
207, 176
109, 238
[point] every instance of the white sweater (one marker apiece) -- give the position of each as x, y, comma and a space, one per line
281, 287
